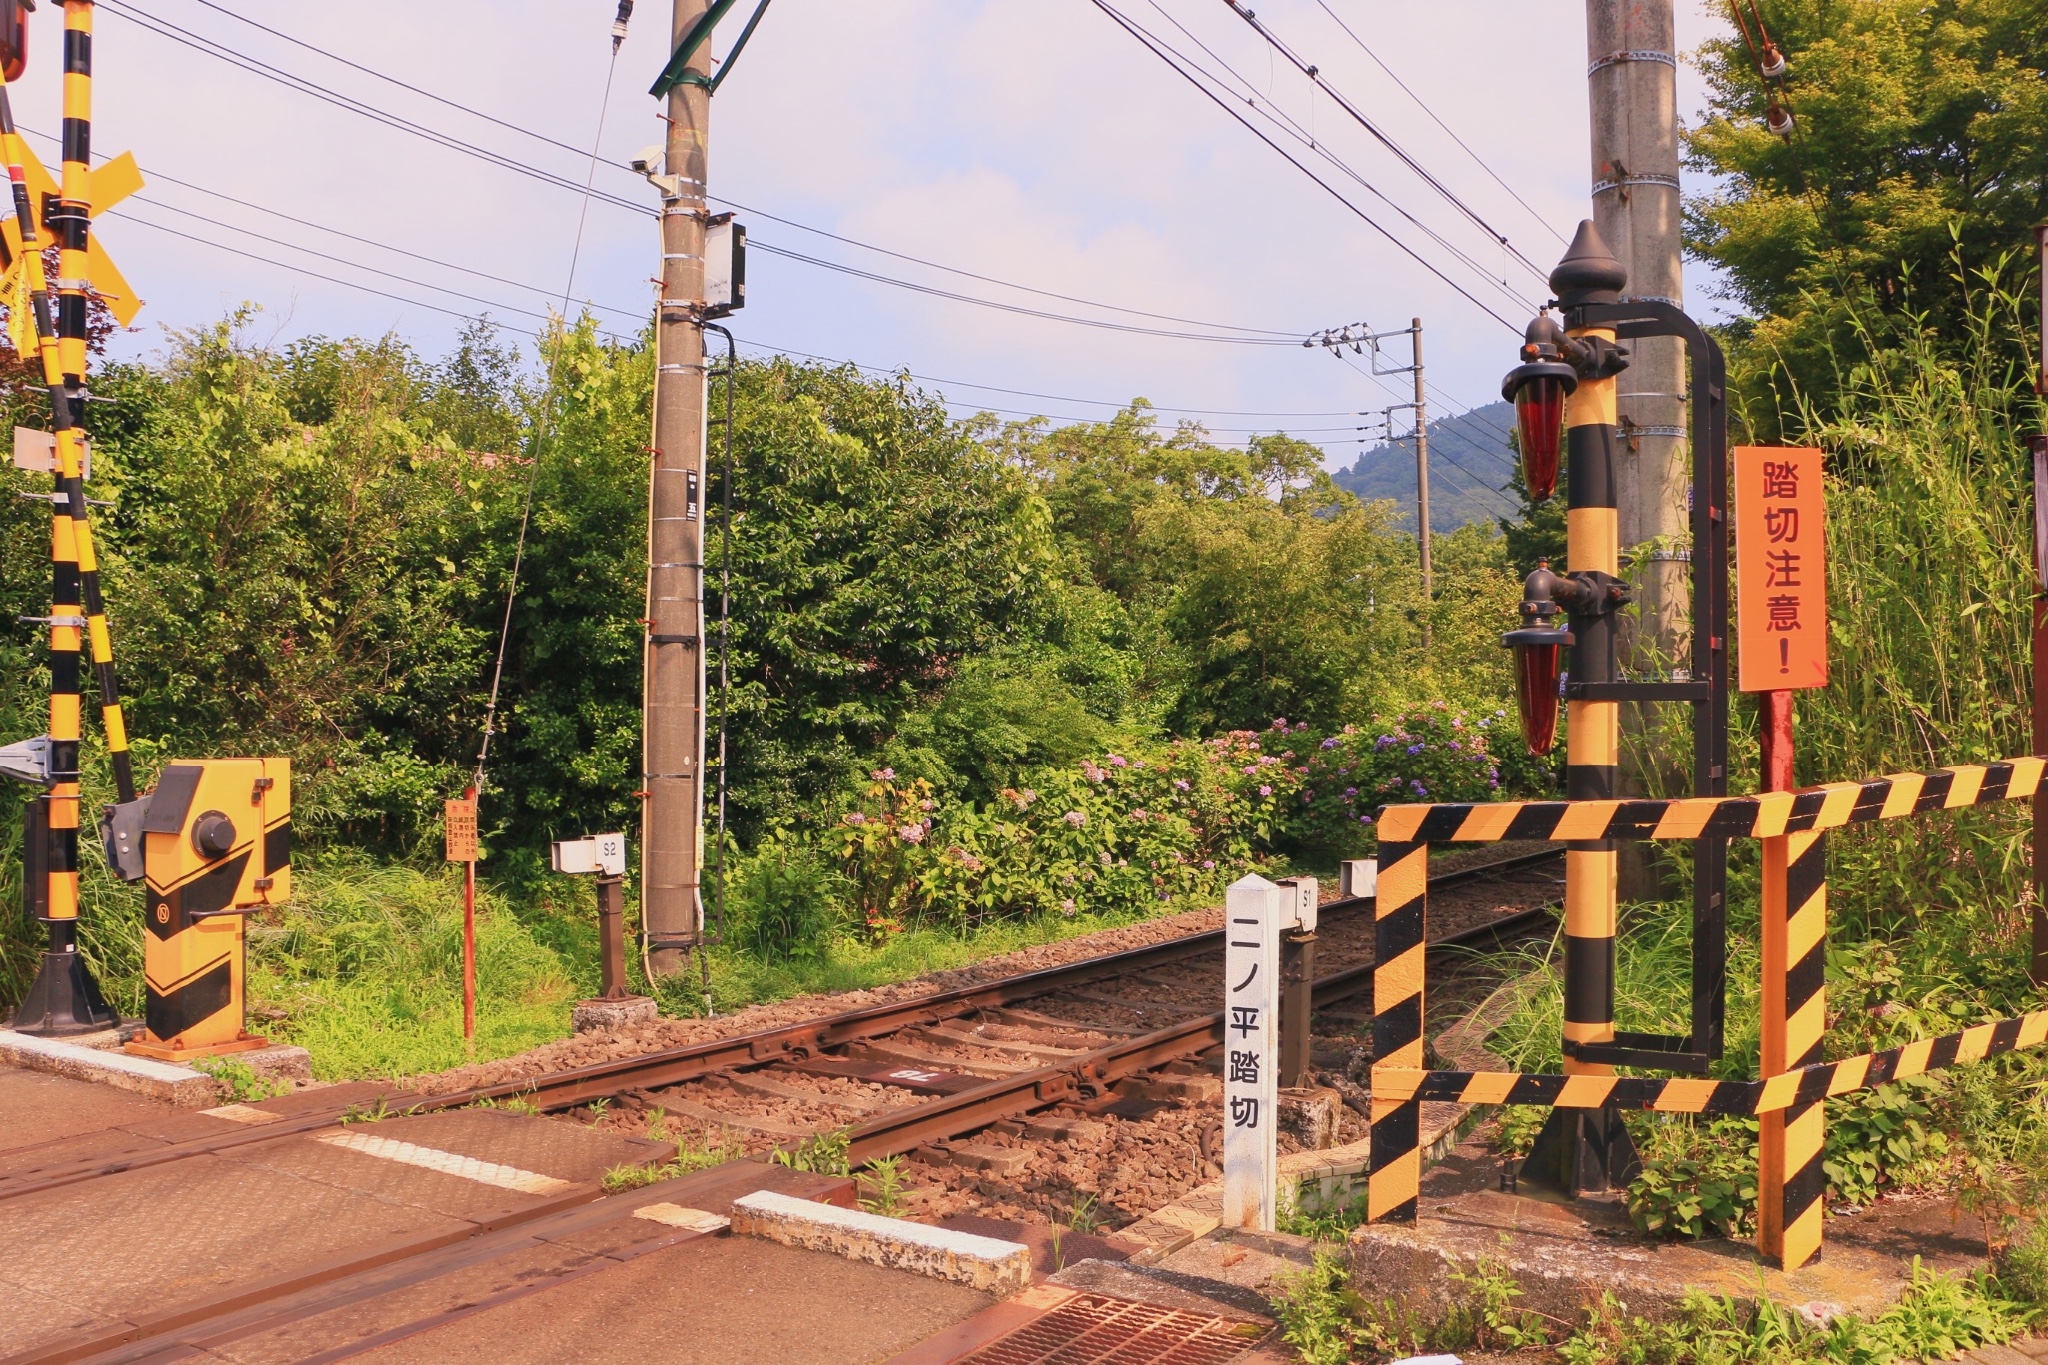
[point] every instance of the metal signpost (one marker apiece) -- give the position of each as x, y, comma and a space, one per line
458, 822
1253, 910
1782, 629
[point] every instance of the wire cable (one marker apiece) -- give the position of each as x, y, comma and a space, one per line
552, 413
1019, 309
1357, 115
221, 52
165, 29
1291, 127
1151, 45
1424, 107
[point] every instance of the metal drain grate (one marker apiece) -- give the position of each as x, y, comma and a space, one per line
1094, 1329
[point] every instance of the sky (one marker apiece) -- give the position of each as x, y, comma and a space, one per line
1031, 142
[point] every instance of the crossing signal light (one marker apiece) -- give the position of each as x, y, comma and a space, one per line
13, 40
1538, 388
1536, 646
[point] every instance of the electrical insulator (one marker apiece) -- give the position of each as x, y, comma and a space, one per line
1773, 67
1778, 119
13, 40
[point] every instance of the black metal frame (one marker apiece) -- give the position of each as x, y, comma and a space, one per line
1707, 691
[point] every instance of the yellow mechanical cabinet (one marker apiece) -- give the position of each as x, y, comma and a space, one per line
216, 846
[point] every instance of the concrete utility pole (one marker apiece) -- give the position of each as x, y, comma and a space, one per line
1422, 474
672, 746
1632, 80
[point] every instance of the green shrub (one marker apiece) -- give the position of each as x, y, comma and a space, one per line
1881, 1137
1697, 1180
2023, 1273
784, 904
1317, 1309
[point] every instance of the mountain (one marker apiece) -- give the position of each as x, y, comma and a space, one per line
1465, 452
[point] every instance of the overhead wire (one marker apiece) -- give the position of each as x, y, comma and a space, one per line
223, 52
1380, 135
550, 411
1423, 105
1266, 107
1158, 50
220, 51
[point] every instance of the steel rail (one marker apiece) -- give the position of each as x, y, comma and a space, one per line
789, 1042
1089, 1073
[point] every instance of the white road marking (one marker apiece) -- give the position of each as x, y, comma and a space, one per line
448, 1163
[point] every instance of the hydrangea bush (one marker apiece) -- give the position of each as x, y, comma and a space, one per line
1127, 832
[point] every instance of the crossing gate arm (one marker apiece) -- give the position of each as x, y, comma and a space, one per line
1688, 1096
1833, 806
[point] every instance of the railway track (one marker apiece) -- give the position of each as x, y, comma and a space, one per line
1085, 1088
1119, 1036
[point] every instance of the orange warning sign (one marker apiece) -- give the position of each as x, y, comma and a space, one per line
1781, 596
458, 819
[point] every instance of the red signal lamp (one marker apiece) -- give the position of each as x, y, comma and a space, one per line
1537, 661
1538, 388
13, 39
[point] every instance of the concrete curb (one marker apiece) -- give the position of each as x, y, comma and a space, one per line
179, 1085
979, 1262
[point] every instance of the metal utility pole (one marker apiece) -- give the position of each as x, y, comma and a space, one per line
1358, 337
672, 746
1632, 81
1422, 475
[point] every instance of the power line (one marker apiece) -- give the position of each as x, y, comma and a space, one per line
1018, 309
222, 52
1151, 45
1424, 107
1291, 127
990, 279
578, 152
1379, 134
314, 274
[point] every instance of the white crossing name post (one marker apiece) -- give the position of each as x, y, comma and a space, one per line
1254, 912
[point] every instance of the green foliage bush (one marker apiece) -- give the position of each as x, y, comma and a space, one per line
1698, 1180
784, 903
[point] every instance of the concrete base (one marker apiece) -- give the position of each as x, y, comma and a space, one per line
106, 1039
979, 1262
1565, 1254
592, 1016
1309, 1116
280, 1062
179, 1085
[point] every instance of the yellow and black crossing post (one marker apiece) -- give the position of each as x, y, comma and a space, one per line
1586, 1151
64, 997
1400, 915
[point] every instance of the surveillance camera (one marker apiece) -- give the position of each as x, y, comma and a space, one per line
647, 160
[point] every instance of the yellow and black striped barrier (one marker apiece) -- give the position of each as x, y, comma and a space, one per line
1787, 1098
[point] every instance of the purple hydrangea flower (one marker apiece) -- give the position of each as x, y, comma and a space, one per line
1415, 748
911, 834
1330, 743
1076, 818
1180, 783
1265, 790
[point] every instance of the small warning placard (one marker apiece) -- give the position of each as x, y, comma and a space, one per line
1781, 597
459, 818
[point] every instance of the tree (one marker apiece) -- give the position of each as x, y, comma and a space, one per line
1918, 161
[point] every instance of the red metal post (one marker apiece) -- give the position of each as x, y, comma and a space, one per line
2038, 965
469, 938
